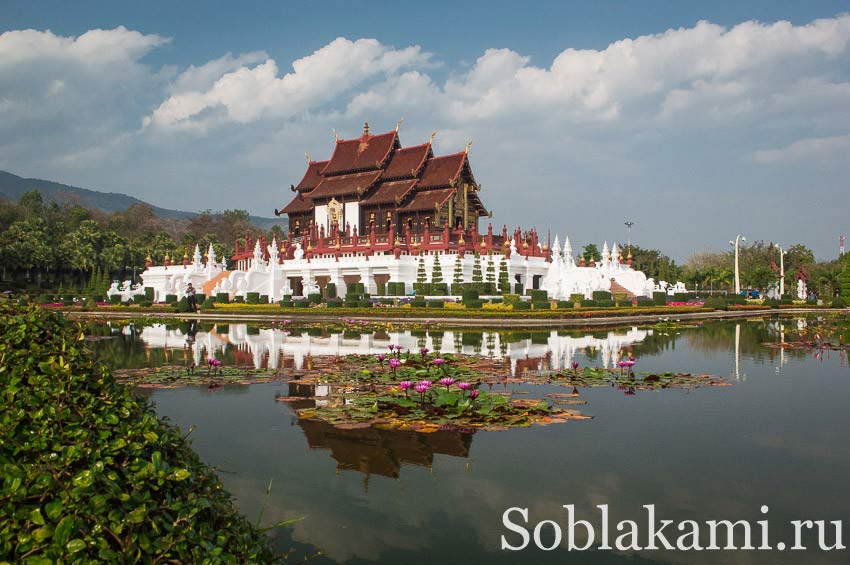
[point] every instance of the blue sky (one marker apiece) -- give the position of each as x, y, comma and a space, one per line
582, 114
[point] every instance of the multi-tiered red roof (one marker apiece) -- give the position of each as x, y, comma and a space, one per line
391, 185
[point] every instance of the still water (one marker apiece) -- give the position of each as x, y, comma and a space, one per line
777, 437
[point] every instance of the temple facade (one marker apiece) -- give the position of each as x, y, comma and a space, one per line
373, 182
378, 213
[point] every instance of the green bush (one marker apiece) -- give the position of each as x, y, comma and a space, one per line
735, 299
839, 302
329, 292
222, 297
301, 304
716, 303
364, 304
116, 298
772, 302
470, 294
537, 295
522, 305
418, 302
264, 299
83, 456
564, 304
601, 295
208, 304
200, 297
252, 297
149, 292
183, 305
577, 298
681, 297
659, 298
476, 303
145, 303
334, 303
435, 304
171, 299
541, 305
285, 302
605, 303
239, 299
588, 303
645, 302
314, 297
518, 288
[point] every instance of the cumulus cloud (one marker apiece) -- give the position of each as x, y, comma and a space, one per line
817, 150
664, 114
250, 93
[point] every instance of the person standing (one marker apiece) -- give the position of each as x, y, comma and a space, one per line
190, 298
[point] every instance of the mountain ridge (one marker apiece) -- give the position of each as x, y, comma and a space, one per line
12, 187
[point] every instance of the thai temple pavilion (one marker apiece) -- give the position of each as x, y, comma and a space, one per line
372, 181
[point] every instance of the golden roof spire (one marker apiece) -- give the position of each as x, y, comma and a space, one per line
336, 135
365, 129
398, 124
433, 135
468, 145
309, 159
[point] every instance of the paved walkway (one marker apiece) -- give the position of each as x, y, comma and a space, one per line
466, 322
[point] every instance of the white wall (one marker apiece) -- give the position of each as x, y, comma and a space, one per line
351, 215
321, 217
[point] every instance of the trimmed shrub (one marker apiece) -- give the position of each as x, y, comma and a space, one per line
521, 306
222, 297
659, 298
314, 297
285, 302
564, 304
111, 461
302, 304
330, 291
418, 302
577, 298
145, 303
435, 304
645, 302
470, 294
588, 303
620, 296
239, 299
518, 288
252, 298
772, 302
116, 298
171, 299
335, 303
716, 303
264, 299
601, 295
149, 292
208, 304
605, 303
541, 305
200, 297
183, 305
537, 295
680, 297
364, 304
476, 303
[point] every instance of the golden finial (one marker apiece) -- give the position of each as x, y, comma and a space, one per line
166, 256
336, 135
433, 135
148, 258
186, 254
461, 241
398, 124
468, 145
309, 159
365, 129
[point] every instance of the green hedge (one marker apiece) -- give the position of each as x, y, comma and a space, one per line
222, 297
839, 302
171, 299
116, 298
285, 302
541, 305
302, 304
334, 303
537, 295
659, 298
149, 292
435, 304
252, 297
522, 306
314, 297
330, 291
83, 456
716, 303
470, 294
601, 295
473, 303
564, 304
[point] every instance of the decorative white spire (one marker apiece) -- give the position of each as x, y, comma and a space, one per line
210, 256
556, 248
196, 257
606, 254
615, 256
273, 252
568, 253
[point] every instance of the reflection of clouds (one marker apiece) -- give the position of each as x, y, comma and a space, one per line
266, 347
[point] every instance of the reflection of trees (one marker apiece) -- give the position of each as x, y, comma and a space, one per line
383, 452
718, 336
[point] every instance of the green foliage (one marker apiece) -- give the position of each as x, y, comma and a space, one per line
457, 276
476, 269
845, 278
437, 271
522, 305
470, 294
601, 295
659, 298
90, 472
171, 299
314, 298
715, 303
491, 270
254, 298
504, 280
330, 291
421, 275
591, 252
839, 302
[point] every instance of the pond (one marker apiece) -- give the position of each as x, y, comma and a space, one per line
778, 436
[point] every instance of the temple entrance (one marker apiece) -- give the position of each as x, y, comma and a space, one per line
296, 285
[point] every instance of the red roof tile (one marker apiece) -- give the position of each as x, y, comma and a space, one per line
362, 154
298, 204
355, 183
386, 192
407, 162
427, 199
442, 171
311, 176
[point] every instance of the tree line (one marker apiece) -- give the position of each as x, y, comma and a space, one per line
47, 244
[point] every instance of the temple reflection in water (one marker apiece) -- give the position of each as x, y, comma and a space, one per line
278, 348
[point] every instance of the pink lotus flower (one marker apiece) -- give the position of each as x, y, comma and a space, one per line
421, 388
381, 358
575, 364
390, 347
439, 361
424, 351
394, 364
447, 382
426, 384
473, 394
463, 385
398, 347
213, 362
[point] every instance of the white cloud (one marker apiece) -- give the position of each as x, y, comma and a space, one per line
247, 94
204, 76
817, 150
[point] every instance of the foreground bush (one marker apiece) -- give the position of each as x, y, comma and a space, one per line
89, 471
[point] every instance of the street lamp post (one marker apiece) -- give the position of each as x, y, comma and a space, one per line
781, 270
738, 239
629, 225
